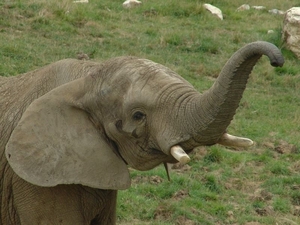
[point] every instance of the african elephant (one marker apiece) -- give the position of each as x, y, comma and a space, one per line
70, 130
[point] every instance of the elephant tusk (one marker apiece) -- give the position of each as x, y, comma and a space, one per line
179, 154
234, 141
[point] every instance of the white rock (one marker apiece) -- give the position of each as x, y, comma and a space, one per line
81, 1
270, 31
214, 10
243, 7
276, 11
258, 7
131, 3
291, 30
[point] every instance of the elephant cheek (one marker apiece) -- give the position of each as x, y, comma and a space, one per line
135, 153
141, 160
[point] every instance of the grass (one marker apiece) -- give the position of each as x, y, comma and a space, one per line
219, 186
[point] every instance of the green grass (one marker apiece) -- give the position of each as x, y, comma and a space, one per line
220, 186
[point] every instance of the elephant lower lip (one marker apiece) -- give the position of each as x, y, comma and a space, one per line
155, 151
188, 151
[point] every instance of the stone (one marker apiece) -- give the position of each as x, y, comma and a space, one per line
214, 10
243, 7
258, 7
291, 30
81, 1
276, 11
131, 3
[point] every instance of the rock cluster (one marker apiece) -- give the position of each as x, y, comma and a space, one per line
291, 23
218, 12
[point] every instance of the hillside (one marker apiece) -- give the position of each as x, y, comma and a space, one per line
255, 186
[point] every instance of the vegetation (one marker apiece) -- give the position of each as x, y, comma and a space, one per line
260, 185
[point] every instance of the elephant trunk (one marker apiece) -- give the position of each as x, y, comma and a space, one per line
213, 111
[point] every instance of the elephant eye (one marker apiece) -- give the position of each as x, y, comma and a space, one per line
138, 116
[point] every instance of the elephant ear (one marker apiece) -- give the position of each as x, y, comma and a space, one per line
55, 142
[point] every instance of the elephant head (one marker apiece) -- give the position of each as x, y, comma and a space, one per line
127, 111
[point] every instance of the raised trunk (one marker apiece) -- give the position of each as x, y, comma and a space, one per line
214, 110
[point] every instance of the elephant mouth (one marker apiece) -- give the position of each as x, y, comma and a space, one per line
158, 154
176, 154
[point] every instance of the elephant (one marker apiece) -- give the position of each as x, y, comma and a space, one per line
71, 129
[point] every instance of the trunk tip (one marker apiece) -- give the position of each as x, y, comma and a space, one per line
277, 63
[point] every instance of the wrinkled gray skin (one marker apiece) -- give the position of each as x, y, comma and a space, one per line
70, 129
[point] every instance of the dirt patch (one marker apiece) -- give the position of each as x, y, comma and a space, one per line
179, 168
282, 147
252, 223
261, 195
268, 210
134, 222
184, 221
162, 213
155, 180
296, 168
242, 185
146, 179
296, 211
199, 153
181, 194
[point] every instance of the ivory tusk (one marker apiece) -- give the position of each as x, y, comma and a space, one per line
234, 141
179, 154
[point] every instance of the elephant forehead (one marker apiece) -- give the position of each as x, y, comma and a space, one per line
137, 69
151, 87
137, 79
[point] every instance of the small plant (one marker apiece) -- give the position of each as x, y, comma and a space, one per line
296, 198
214, 155
258, 204
279, 168
211, 183
282, 205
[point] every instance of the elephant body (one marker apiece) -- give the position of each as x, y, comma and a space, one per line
69, 131
62, 204
17, 205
